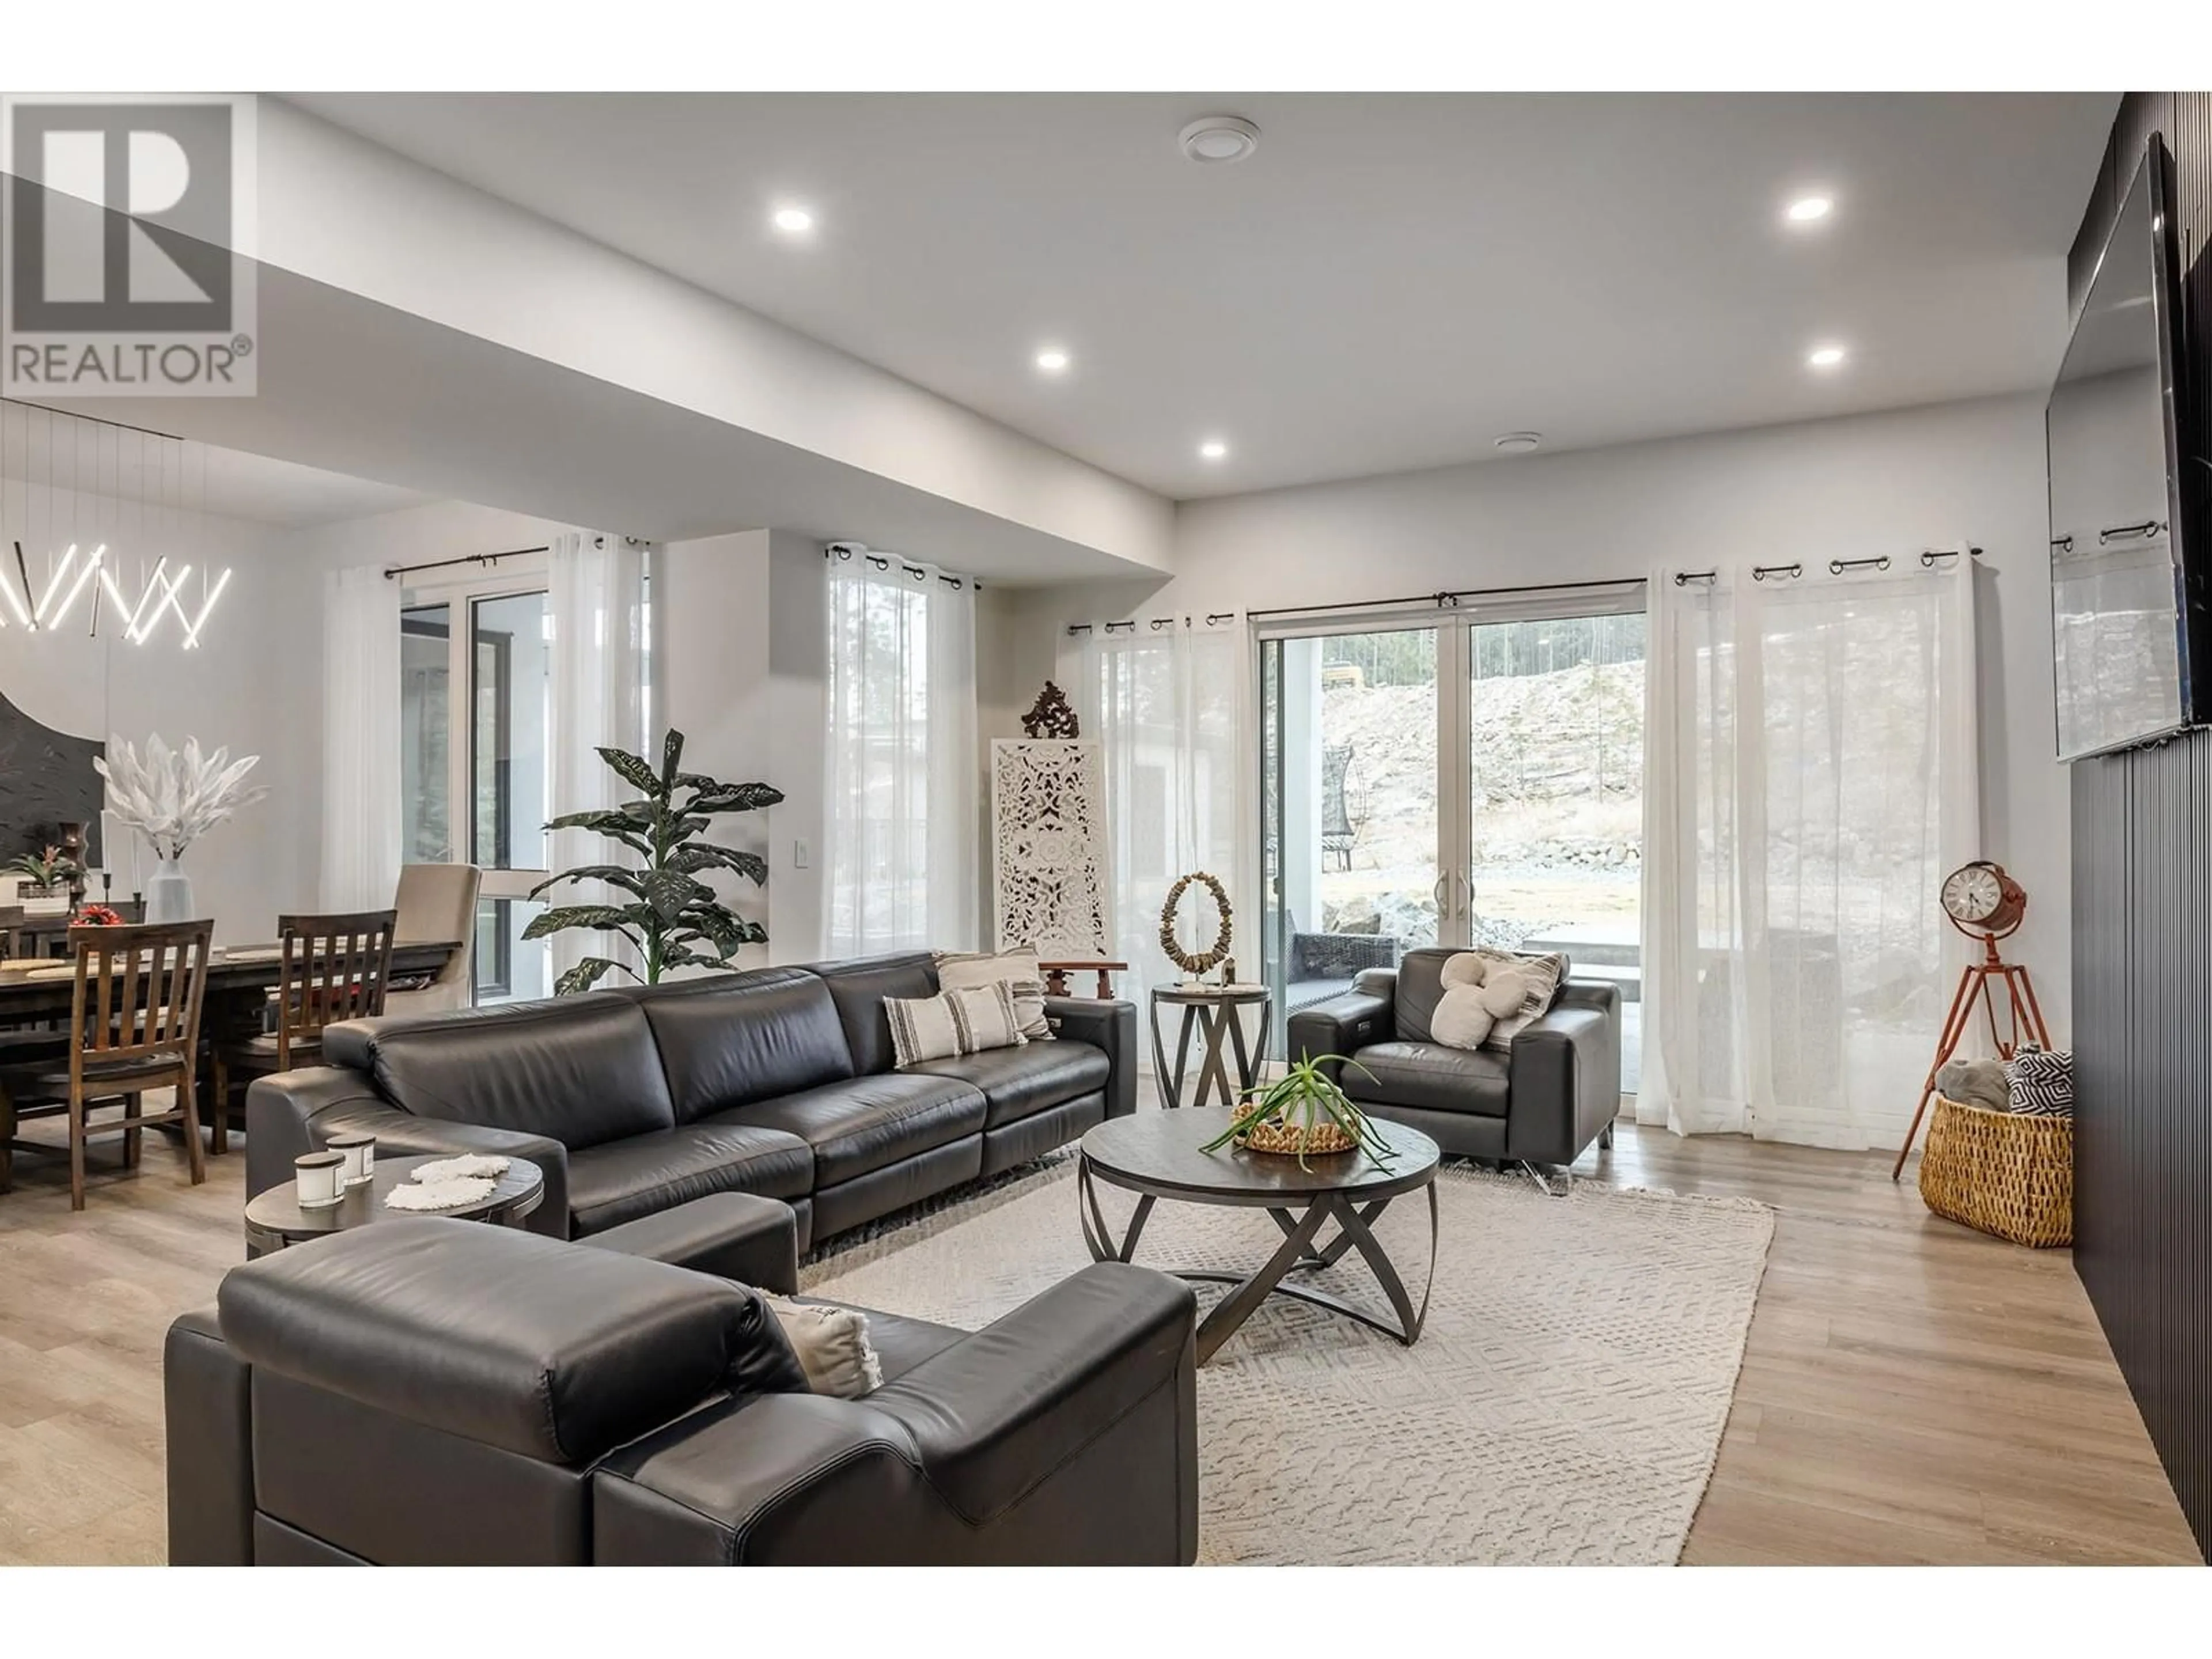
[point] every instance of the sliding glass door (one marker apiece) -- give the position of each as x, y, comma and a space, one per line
1469, 778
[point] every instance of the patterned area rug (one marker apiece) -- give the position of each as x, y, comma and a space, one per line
1564, 1405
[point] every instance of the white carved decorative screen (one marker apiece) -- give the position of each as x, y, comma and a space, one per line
1049, 863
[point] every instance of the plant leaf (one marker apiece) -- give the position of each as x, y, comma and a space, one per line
630, 881
585, 974
695, 856
670, 891
555, 919
633, 772
733, 797
671, 753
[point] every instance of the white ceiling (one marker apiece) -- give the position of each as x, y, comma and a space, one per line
1390, 283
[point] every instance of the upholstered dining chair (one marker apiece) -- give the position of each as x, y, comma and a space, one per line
332, 968
437, 903
133, 1027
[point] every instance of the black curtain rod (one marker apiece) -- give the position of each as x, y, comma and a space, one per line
391, 570
1449, 599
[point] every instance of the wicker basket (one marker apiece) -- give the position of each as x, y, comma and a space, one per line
1298, 1140
2001, 1172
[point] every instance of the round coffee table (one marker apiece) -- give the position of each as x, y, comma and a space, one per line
275, 1219
1157, 1155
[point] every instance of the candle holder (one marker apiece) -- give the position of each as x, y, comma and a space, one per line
318, 1180
359, 1151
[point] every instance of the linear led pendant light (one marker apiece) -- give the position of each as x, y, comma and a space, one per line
99, 491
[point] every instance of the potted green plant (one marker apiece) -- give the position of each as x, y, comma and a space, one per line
44, 876
672, 918
1304, 1112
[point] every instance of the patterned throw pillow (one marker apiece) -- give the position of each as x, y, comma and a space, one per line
1545, 975
961, 970
953, 1023
2042, 1084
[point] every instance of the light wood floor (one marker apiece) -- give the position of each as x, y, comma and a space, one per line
1911, 1391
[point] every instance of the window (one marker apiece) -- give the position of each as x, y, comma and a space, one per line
490, 752
903, 780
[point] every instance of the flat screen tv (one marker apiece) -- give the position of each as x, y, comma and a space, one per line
2128, 599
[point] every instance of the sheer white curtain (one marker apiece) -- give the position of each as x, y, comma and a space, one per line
361, 838
1811, 775
900, 860
1169, 707
596, 598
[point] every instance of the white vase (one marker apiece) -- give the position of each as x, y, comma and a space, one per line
169, 894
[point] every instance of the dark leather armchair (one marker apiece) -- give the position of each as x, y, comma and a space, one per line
436, 1392
1541, 1103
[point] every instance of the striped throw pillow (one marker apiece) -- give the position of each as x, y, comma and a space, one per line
961, 970
952, 1022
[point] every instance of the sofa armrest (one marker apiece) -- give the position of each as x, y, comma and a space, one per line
296, 1112
1563, 1076
207, 1401
1111, 1026
735, 1236
1343, 1026
1065, 1432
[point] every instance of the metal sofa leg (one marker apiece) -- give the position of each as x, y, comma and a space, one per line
1534, 1174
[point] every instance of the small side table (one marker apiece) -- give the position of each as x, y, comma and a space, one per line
1216, 1010
275, 1219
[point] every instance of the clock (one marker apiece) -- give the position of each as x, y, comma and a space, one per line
1981, 898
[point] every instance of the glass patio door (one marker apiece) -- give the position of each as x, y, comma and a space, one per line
1472, 777
1356, 823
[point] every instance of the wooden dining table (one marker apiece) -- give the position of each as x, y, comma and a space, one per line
33, 993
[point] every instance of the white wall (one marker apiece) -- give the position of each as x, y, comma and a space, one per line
1896, 483
233, 691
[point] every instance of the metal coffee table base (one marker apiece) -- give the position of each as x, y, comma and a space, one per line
1297, 1253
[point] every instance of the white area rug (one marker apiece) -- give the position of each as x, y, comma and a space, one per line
1564, 1405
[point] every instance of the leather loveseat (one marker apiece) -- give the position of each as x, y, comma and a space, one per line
776, 1081
431, 1392
1555, 1090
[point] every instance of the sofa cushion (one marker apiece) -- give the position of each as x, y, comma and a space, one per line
1430, 1075
859, 989
869, 1122
626, 1179
580, 1070
1018, 1083
730, 1039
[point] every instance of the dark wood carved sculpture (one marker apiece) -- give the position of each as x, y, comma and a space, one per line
1050, 715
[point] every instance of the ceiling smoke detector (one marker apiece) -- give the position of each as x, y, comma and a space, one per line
1518, 443
1219, 138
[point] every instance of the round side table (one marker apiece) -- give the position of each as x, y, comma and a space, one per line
1217, 1012
275, 1218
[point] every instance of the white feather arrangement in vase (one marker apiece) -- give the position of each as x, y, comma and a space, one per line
172, 797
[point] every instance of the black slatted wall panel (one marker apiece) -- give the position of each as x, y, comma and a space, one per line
2142, 943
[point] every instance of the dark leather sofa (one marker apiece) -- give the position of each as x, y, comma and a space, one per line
431, 1392
776, 1081
1555, 1091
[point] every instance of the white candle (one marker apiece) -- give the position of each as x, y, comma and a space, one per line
315, 1176
360, 1153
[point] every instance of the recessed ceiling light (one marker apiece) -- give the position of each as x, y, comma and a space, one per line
1051, 360
1806, 209
1516, 443
794, 221
1825, 356
1219, 138
1213, 449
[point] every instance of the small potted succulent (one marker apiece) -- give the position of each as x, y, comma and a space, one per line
1303, 1113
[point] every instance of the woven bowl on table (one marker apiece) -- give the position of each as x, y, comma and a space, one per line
1297, 1140
2002, 1173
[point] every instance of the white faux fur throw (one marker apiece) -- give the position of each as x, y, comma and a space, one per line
469, 1166
438, 1194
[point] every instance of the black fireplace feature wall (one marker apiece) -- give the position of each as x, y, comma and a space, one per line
2142, 936
46, 780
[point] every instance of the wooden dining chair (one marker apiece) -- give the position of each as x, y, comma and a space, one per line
332, 968
134, 1026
